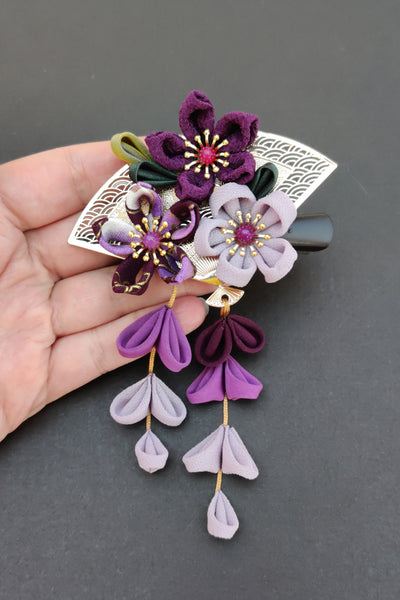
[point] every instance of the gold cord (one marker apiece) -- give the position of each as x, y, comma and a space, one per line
225, 309
148, 421
173, 296
219, 481
151, 359
225, 410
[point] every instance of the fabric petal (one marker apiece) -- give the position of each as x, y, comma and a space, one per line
132, 404
193, 186
275, 259
229, 198
208, 386
208, 240
235, 270
222, 521
141, 200
239, 383
113, 235
278, 212
168, 149
206, 455
138, 338
188, 216
151, 452
152, 173
169, 269
172, 346
214, 344
196, 114
264, 180
239, 128
241, 168
125, 279
166, 406
236, 459
246, 335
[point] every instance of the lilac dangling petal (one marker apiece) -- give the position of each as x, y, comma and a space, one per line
222, 521
173, 347
206, 455
236, 459
214, 344
208, 386
166, 406
151, 452
247, 336
239, 383
132, 404
138, 338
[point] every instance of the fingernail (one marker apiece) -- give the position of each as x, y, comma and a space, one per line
206, 306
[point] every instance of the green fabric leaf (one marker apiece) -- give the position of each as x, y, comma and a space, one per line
151, 172
264, 180
128, 147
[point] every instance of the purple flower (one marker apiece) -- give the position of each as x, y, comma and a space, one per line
205, 149
151, 242
245, 234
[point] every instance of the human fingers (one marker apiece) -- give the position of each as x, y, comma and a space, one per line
87, 300
46, 187
77, 359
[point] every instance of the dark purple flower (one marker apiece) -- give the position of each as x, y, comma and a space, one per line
206, 149
150, 243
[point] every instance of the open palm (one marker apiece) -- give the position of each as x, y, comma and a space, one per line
59, 317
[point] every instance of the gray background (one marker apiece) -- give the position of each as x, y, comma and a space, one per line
78, 517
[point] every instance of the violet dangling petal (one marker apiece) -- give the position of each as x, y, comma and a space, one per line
172, 346
166, 406
138, 338
247, 336
214, 344
239, 383
151, 452
236, 459
206, 455
208, 386
222, 521
132, 404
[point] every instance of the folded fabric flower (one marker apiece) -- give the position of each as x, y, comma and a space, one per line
151, 242
150, 452
159, 328
222, 521
245, 233
148, 395
205, 150
228, 378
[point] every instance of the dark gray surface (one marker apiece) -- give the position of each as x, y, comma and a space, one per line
78, 517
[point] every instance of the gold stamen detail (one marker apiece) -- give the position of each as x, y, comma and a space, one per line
146, 257
242, 252
228, 241
232, 251
260, 244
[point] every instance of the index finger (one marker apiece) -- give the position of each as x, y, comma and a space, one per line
46, 187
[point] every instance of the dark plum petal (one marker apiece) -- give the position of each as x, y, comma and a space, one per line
239, 128
141, 200
247, 336
214, 344
194, 186
172, 346
239, 383
188, 212
169, 269
125, 279
241, 168
139, 338
196, 114
113, 236
208, 386
167, 149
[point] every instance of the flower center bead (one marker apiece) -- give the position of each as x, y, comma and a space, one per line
206, 154
245, 233
152, 240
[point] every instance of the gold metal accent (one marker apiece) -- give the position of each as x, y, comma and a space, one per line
260, 244
217, 298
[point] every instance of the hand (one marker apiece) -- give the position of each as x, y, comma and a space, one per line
59, 317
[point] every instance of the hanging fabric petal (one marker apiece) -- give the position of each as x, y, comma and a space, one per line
236, 459
222, 521
247, 336
166, 406
214, 344
151, 452
208, 386
239, 383
206, 455
132, 404
138, 338
173, 347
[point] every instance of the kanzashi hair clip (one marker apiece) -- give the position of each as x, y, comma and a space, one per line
216, 203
